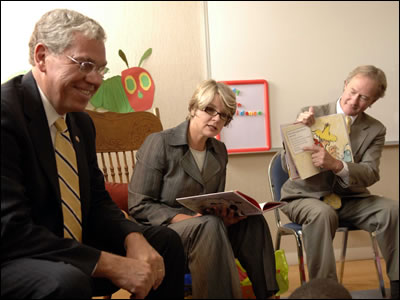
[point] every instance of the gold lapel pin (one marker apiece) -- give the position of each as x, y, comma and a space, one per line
77, 138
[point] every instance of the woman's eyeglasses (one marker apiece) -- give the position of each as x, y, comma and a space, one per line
213, 112
86, 66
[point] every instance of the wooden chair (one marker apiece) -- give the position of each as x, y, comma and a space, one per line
118, 137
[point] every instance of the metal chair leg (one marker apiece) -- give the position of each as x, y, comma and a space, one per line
343, 254
377, 261
300, 258
278, 240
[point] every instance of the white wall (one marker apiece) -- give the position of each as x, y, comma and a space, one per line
305, 50
175, 30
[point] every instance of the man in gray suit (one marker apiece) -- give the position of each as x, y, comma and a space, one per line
346, 181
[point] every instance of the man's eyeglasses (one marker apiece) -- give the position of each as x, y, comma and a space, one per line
86, 66
213, 112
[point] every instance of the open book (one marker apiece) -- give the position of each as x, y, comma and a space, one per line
329, 132
241, 203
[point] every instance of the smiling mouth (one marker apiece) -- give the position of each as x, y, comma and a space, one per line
85, 92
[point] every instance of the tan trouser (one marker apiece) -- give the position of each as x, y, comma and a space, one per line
320, 222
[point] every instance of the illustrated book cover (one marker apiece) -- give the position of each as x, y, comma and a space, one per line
243, 204
329, 132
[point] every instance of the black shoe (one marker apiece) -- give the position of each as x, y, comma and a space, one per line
394, 289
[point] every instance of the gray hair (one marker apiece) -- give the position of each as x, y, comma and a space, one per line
56, 29
205, 93
375, 74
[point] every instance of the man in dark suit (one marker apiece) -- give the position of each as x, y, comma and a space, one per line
67, 53
346, 183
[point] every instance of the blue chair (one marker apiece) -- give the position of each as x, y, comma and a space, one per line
277, 177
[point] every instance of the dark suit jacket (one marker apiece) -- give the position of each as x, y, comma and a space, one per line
367, 138
165, 170
31, 215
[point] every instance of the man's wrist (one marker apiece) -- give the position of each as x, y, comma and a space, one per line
338, 166
132, 237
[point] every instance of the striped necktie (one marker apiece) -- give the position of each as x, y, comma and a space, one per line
69, 182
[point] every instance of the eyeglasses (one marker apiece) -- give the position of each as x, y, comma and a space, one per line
86, 66
213, 112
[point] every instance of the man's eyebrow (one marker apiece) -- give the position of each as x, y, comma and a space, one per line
88, 59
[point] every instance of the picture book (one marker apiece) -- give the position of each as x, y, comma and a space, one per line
243, 204
329, 132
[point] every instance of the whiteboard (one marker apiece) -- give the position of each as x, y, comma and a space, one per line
305, 50
249, 129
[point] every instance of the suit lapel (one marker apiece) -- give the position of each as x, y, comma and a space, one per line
189, 166
39, 131
358, 133
211, 166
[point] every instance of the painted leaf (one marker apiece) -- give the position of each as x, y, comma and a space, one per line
111, 96
123, 56
145, 55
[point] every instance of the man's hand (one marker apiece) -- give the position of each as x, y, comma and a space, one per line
133, 275
307, 117
322, 159
138, 248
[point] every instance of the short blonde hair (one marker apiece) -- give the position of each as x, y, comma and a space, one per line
371, 72
205, 93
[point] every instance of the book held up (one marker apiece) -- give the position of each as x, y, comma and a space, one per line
243, 204
329, 132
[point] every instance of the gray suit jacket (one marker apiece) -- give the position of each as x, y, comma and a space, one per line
367, 138
165, 170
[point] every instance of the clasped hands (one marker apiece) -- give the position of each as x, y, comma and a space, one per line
153, 271
142, 268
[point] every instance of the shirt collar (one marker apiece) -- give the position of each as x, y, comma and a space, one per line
51, 113
339, 110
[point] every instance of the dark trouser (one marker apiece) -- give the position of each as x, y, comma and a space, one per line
34, 278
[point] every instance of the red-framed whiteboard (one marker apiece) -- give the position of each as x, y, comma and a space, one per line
249, 131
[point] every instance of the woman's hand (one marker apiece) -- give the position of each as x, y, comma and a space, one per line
228, 215
181, 217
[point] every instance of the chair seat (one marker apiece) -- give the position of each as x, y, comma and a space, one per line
294, 226
297, 227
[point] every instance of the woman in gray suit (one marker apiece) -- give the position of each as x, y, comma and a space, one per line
187, 160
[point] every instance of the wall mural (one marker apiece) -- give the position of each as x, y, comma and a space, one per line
132, 91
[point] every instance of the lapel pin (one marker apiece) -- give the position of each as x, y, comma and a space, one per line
77, 138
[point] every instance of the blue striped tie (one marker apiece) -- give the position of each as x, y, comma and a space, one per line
69, 182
